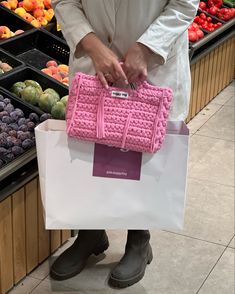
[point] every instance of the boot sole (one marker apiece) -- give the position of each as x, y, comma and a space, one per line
60, 277
116, 283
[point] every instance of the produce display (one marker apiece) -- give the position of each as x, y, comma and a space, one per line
37, 12
5, 32
48, 100
4, 67
58, 72
16, 130
215, 8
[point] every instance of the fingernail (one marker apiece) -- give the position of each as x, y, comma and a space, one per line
106, 87
126, 82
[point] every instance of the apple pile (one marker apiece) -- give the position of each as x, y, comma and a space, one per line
6, 33
58, 72
37, 12
215, 7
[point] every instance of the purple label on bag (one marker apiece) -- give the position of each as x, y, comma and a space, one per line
110, 162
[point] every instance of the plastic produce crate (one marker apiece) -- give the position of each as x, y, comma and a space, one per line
11, 166
37, 48
28, 73
13, 22
11, 60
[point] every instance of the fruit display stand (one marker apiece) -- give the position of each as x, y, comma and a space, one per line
212, 66
24, 243
12, 25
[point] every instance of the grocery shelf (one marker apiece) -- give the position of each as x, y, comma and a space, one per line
38, 47
11, 60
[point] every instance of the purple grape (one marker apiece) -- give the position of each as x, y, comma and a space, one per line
3, 142
12, 133
9, 108
16, 150
45, 116
19, 112
16, 114
7, 100
23, 136
17, 142
1, 97
34, 117
3, 113
9, 157
7, 120
28, 135
3, 127
23, 128
10, 142
13, 126
30, 126
21, 121
2, 106
28, 143
3, 135
3, 152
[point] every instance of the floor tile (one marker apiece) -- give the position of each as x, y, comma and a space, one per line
221, 125
180, 266
230, 102
41, 271
209, 212
25, 286
211, 159
221, 279
45, 287
202, 117
232, 243
225, 95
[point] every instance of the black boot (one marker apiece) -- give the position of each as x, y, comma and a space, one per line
73, 260
131, 268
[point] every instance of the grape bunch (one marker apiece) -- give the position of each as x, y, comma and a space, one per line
16, 131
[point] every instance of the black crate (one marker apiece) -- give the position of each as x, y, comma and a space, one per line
37, 48
14, 22
11, 60
10, 167
28, 73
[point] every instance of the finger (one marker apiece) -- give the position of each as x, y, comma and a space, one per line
109, 78
120, 73
103, 79
134, 77
143, 76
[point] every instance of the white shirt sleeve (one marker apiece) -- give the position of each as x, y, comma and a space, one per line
72, 21
164, 31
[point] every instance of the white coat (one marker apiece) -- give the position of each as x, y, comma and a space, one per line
161, 25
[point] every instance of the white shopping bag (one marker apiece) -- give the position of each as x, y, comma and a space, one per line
90, 186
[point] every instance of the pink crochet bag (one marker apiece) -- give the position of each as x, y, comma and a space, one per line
123, 118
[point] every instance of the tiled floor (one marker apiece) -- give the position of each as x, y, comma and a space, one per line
198, 260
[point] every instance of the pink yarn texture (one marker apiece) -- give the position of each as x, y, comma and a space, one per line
125, 118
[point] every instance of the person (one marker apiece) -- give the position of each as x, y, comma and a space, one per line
150, 38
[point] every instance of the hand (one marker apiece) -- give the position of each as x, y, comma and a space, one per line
136, 62
106, 63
